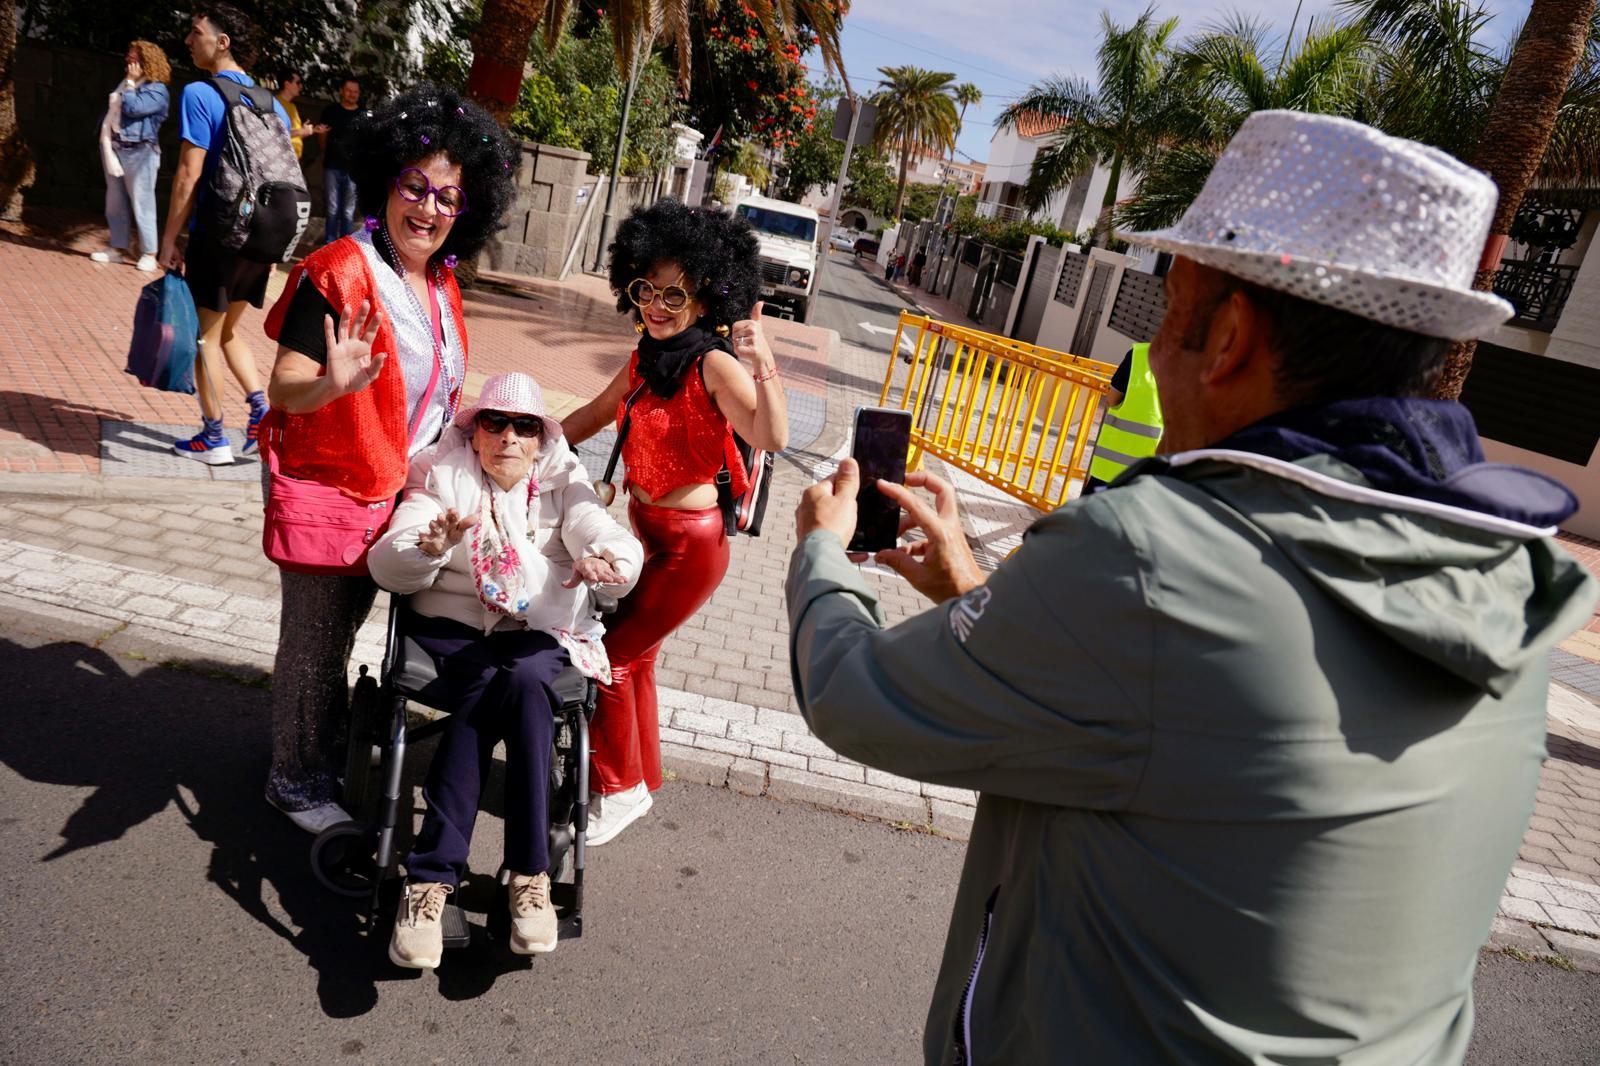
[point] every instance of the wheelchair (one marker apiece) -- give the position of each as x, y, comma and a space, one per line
359, 859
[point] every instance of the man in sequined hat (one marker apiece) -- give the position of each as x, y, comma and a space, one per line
1257, 728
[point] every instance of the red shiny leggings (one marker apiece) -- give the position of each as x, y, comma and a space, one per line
685, 556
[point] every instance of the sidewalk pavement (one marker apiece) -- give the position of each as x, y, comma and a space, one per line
99, 520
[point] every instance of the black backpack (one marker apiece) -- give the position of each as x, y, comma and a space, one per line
257, 203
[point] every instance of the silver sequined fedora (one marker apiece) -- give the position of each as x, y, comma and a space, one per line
1336, 212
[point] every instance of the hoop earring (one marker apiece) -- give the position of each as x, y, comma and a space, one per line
638, 327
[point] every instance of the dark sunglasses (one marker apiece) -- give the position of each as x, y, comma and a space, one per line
526, 426
413, 185
643, 294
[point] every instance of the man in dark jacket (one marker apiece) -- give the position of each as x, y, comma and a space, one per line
1257, 729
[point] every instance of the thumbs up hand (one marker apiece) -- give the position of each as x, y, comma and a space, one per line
750, 342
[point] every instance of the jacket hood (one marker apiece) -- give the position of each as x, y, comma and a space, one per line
1388, 506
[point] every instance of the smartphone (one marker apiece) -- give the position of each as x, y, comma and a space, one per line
881, 439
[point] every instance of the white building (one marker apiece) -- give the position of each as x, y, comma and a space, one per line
1011, 155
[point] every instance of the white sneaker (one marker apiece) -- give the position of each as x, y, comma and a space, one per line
147, 263
418, 939
533, 917
316, 819
109, 255
610, 815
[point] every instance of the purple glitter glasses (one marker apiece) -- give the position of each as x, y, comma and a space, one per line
413, 185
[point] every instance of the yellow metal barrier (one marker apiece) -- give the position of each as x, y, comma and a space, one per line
1016, 415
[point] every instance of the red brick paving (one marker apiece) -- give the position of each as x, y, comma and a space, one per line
70, 319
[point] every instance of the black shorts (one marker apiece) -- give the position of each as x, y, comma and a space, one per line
218, 278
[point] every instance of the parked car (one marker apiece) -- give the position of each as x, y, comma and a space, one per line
843, 239
866, 246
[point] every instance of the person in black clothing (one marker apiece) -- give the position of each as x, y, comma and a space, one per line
339, 187
1119, 392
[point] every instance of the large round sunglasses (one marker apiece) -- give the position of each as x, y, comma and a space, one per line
643, 294
526, 426
413, 185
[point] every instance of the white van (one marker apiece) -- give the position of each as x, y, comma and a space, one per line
788, 236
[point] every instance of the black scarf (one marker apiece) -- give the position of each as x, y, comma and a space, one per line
662, 363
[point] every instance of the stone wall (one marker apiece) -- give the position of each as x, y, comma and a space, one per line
553, 188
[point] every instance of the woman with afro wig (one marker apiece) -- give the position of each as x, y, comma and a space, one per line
372, 354
702, 371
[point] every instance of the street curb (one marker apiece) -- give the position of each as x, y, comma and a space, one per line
1518, 938
135, 489
718, 742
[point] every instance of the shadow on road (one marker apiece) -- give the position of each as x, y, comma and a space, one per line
194, 734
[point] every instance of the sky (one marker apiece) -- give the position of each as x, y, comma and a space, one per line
1004, 45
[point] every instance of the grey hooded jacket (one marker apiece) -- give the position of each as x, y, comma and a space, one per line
1256, 746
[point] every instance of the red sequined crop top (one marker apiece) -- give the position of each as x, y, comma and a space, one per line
677, 442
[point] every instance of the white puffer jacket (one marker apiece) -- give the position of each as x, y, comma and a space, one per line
564, 521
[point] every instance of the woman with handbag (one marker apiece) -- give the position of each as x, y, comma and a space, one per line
690, 278
131, 154
372, 353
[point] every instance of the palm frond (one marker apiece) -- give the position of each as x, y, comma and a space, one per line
1168, 188
1070, 151
1071, 99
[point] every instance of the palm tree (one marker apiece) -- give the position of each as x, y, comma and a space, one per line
1226, 78
1123, 121
917, 112
965, 95
506, 27
1540, 122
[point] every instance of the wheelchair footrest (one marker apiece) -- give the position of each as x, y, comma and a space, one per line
457, 934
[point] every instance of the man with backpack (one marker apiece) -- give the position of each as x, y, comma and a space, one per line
221, 279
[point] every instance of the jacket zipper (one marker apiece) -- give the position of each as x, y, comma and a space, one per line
963, 1022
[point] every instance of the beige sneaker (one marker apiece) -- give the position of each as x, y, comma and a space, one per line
533, 917
611, 814
418, 939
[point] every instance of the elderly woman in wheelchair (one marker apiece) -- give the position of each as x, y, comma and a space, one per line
497, 541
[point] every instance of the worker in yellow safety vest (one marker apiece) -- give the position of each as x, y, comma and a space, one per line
1131, 428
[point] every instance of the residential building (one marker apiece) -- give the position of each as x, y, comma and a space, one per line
1011, 155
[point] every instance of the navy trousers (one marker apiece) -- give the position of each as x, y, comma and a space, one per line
500, 685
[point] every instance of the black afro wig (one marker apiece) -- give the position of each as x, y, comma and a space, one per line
421, 122
719, 254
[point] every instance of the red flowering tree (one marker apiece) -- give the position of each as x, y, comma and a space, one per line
744, 84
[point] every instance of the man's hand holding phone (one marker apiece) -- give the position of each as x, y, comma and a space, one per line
939, 566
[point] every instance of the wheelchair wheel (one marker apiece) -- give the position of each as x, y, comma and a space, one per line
344, 859
363, 731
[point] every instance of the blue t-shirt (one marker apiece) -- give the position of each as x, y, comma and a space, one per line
204, 117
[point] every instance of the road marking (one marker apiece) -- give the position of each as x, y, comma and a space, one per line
905, 342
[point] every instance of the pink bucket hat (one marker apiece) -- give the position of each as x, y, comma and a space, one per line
513, 394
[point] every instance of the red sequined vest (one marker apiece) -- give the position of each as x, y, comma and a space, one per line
356, 444
678, 442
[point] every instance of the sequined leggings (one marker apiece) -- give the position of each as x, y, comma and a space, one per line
310, 692
685, 557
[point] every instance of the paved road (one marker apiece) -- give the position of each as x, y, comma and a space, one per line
157, 913
851, 296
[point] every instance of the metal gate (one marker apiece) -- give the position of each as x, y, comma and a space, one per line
1089, 316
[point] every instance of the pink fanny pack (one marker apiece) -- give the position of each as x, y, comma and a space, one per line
312, 528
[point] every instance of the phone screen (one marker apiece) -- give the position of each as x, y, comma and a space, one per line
882, 437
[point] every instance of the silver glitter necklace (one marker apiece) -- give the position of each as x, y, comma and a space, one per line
452, 395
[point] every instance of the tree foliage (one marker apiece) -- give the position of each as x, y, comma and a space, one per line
744, 84
916, 116
1122, 121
